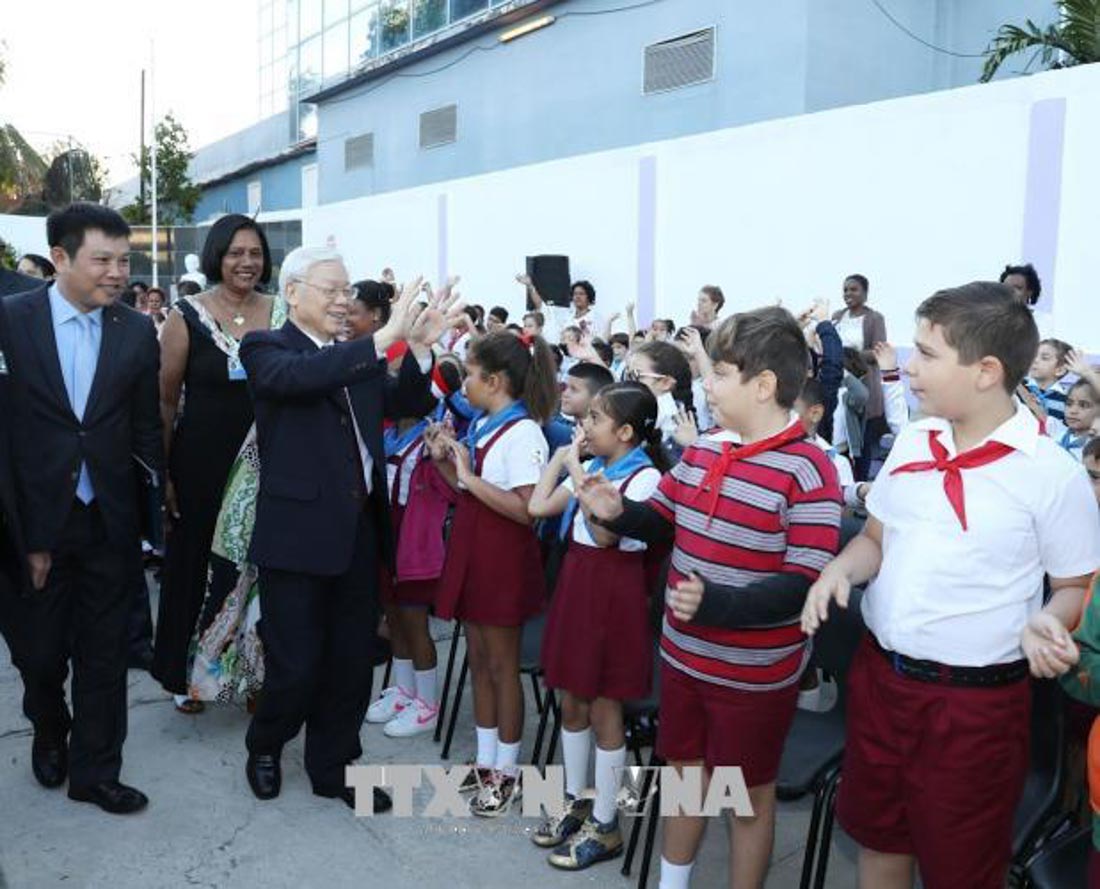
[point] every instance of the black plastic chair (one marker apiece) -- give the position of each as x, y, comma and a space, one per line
1038, 811
1063, 863
529, 665
815, 744
641, 721
448, 676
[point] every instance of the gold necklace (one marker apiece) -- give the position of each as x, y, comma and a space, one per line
238, 319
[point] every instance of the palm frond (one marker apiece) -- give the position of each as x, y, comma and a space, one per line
1080, 29
1013, 39
1074, 40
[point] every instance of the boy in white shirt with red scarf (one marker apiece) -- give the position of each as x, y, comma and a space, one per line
973, 507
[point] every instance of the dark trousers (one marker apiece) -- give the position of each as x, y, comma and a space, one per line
318, 634
81, 615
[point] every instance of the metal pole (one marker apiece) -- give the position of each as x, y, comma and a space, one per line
69, 158
153, 114
141, 154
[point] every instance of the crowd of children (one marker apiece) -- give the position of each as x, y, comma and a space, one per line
718, 460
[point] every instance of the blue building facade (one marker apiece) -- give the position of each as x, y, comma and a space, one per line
372, 96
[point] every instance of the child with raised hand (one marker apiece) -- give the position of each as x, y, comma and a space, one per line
492, 578
598, 647
1045, 378
754, 513
973, 506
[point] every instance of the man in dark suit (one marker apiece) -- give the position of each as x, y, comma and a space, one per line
12, 555
83, 371
14, 282
322, 523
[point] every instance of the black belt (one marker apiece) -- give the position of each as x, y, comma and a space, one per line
945, 674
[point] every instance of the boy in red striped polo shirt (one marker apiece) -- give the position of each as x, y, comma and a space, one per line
753, 511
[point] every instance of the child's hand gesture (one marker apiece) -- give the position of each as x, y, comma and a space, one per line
1077, 363
886, 356
687, 432
689, 341
438, 439
461, 456
1048, 646
831, 584
600, 497
685, 599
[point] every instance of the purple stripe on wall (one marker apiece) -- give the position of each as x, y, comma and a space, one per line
442, 271
1043, 193
646, 296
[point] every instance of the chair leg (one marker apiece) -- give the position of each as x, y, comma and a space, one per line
827, 830
544, 718
650, 835
454, 708
636, 827
447, 677
809, 857
555, 732
539, 703
386, 675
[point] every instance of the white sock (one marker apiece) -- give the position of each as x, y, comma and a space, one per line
425, 687
575, 748
486, 747
508, 758
609, 773
675, 876
404, 677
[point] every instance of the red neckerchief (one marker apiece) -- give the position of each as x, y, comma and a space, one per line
952, 467
711, 485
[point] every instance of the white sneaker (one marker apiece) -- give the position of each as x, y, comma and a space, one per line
391, 702
415, 719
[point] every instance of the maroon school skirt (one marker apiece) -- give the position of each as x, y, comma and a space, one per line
407, 593
493, 573
598, 643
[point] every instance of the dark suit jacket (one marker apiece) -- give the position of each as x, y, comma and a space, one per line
16, 282
121, 420
310, 477
12, 559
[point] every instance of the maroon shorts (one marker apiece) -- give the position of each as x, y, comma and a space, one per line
406, 594
598, 642
724, 726
935, 771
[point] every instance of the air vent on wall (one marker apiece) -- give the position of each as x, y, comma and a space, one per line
359, 152
438, 127
679, 62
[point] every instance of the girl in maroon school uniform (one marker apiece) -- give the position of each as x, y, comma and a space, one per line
419, 499
598, 646
492, 579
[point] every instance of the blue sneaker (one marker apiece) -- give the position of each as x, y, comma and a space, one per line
590, 845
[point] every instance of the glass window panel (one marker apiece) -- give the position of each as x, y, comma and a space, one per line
336, 51
278, 44
291, 22
278, 101
364, 35
428, 16
265, 80
335, 11
309, 66
311, 17
395, 24
267, 18
462, 8
356, 5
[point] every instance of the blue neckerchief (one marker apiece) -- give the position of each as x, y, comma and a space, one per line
624, 467
1069, 443
396, 444
486, 424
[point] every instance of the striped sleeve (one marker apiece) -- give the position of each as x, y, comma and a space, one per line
669, 492
813, 523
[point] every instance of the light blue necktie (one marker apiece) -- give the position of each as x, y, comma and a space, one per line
84, 364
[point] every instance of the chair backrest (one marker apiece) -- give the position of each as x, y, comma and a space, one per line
1063, 862
1046, 768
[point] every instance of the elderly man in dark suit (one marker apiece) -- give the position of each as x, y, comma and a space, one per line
322, 522
83, 374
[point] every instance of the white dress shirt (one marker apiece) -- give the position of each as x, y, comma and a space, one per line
963, 597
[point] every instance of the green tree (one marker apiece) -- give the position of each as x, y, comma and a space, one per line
177, 195
1073, 40
74, 174
21, 169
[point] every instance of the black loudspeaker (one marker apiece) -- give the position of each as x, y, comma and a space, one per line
550, 275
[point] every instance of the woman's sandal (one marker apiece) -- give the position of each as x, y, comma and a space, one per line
190, 706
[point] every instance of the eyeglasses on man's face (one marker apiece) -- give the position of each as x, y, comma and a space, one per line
330, 293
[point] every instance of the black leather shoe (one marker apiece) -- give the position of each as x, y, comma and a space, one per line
49, 761
382, 801
111, 796
265, 775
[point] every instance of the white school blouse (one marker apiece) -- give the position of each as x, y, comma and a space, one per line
639, 488
963, 597
516, 458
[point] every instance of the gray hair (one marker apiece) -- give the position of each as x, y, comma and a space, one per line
299, 261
